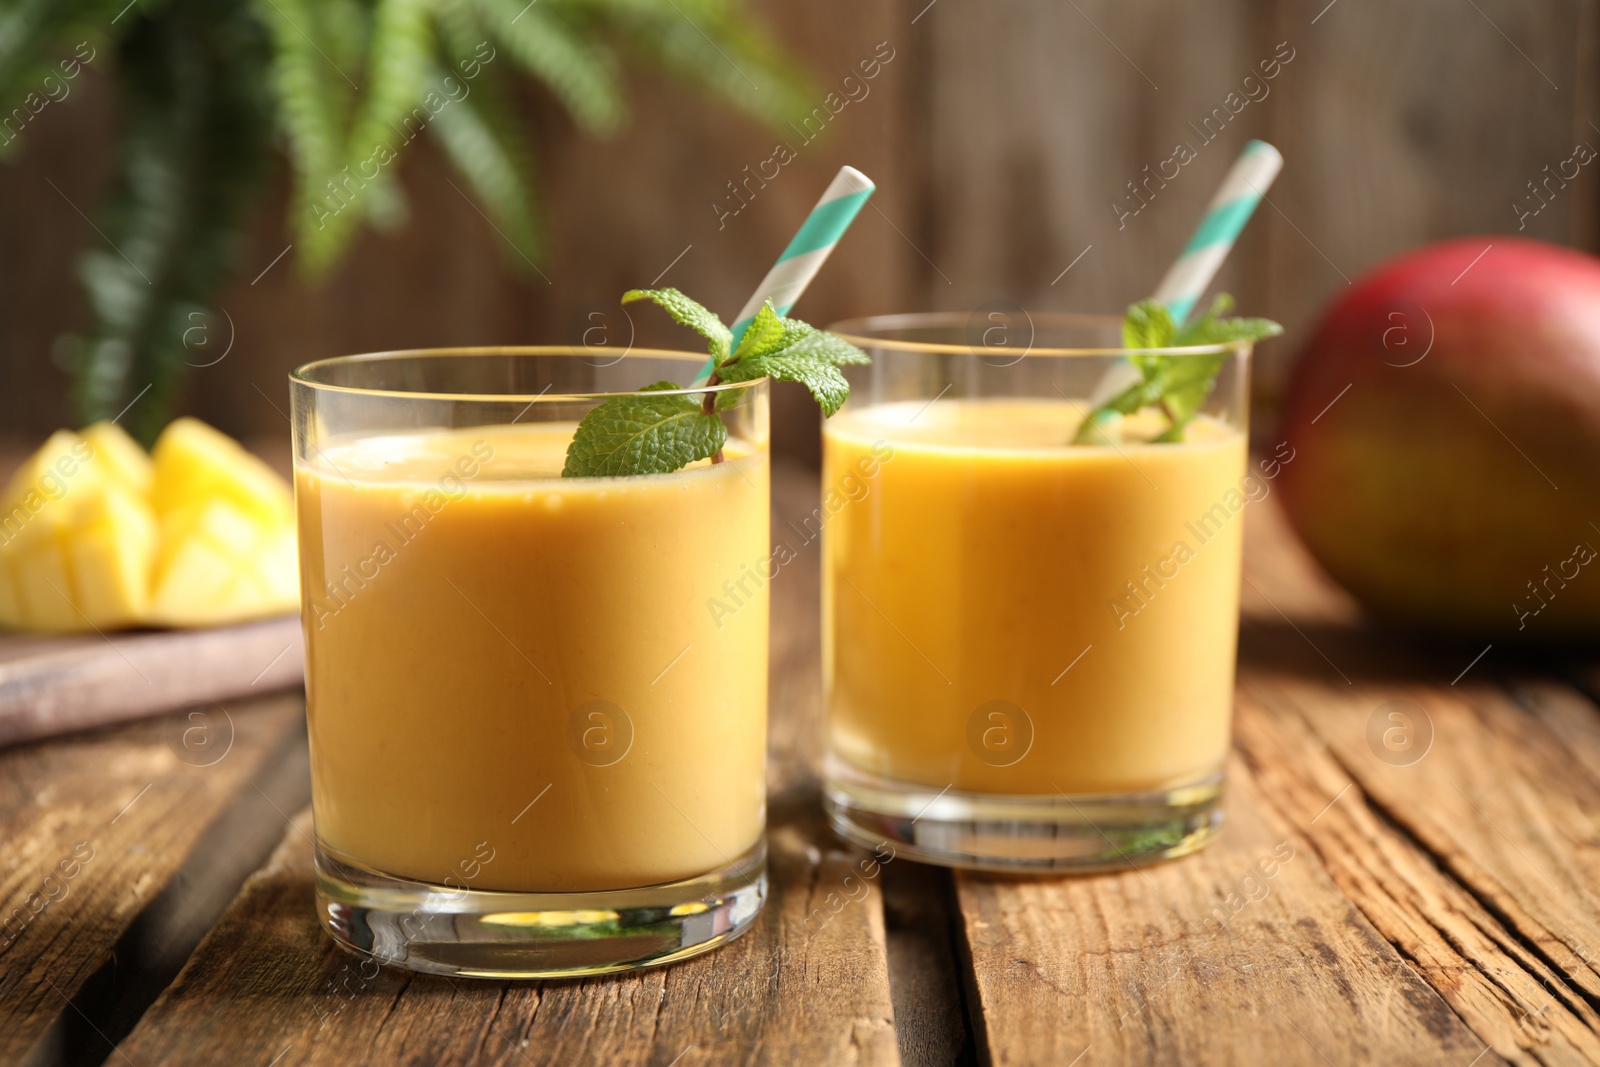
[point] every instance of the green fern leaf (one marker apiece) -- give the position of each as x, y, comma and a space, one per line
581, 73
710, 43
399, 80
489, 151
312, 101
197, 127
44, 47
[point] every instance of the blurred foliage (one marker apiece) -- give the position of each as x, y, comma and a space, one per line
210, 89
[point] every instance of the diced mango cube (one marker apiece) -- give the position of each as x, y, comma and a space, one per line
109, 553
94, 534
43, 482
119, 458
10, 610
194, 462
208, 567
44, 590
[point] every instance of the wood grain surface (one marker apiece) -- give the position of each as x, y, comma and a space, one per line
1421, 899
121, 847
1144, 967
57, 685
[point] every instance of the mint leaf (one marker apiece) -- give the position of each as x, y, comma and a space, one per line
1179, 385
1221, 304
1185, 384
829, 346
689, 313
1148, 324
766, 333
643, 434
1212, 329
805, 355
1224, 331
827, 385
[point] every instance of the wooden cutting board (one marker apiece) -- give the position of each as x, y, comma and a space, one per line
54, 685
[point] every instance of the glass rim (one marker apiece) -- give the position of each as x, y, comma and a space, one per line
859, 331
301, 374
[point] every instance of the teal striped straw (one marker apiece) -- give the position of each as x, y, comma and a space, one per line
1192, 273
806, 253
1196, 266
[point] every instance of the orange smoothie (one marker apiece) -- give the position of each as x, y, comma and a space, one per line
1004, 612
504, 661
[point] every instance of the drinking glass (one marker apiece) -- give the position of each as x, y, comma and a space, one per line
534, 749
1028, 642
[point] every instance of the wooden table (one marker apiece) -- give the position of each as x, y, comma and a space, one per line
1363, 905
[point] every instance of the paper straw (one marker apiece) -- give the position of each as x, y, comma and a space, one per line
1196, 266
1192, 273
806, 253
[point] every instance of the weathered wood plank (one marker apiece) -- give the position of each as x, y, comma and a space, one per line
114, 830
1246, 952
925, 975
54, 686
1505, 804
1504, 991
808, 984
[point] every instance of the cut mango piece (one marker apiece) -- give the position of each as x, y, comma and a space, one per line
95, 535
209, 567
44, 480
194, 462
277, 567
119, 458
44, 591
108, 554
10, 609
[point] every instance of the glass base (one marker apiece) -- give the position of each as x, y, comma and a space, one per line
476, 933
1021, 834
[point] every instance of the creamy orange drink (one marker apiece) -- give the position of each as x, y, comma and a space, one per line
569, 660
534, 751
993, 563
1030, 589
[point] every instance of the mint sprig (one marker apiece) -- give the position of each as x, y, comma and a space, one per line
643, 434
790, 351
1178, 385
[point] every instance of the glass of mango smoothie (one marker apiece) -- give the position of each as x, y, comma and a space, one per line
533, 752
1028, 635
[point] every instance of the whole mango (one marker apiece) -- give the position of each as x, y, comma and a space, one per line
1446, 416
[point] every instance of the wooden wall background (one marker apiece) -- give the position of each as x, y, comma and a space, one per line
999, 134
